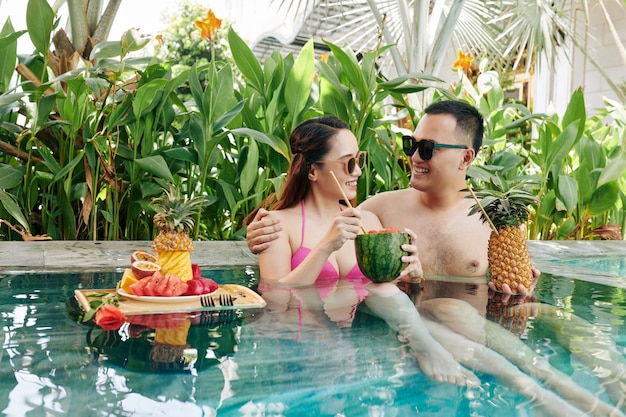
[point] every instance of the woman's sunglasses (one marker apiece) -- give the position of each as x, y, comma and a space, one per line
425, 147
349, 163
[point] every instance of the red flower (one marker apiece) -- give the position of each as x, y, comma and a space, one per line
109, 317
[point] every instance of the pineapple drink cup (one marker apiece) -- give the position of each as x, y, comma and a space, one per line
174, 219
507, 210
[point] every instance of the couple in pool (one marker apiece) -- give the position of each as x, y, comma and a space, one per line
309, 238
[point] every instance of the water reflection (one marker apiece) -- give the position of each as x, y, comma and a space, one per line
173, 342
325, 359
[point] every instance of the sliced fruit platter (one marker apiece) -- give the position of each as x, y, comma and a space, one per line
145, 278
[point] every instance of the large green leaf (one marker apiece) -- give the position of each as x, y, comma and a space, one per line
10, 176
591, 153
246, 61
8, 54
402, 79
276, 144
566, 229
561, 147
614, 169
146, 97
586, 183
157, 166
104, 50
10, 99
250, 169
229, 193
44, 107
299, 82
195, 86
352, 71
228, 116
576, 112
219, 99
604, 198
39, 22
545, 211
333, 102
133, 40
49, 160
69, 166
568, 192
10, 205
182, 154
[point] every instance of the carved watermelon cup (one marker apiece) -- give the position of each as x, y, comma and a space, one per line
379, 254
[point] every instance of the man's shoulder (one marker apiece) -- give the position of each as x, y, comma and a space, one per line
384, 198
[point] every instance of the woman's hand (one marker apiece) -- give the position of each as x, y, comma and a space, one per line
413, 270
345, 227
262, 230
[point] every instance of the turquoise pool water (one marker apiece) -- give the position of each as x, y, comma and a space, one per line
268, 363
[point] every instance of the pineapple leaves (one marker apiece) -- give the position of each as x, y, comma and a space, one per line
503, 202
175, 212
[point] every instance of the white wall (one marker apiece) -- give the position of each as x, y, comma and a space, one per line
553, 89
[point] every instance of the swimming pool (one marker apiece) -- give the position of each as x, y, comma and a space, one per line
305, 362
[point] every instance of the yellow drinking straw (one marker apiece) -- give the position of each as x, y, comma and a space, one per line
346, 198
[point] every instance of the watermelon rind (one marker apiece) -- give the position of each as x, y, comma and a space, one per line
379, 255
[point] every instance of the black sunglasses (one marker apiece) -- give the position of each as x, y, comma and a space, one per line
425, 147
351, 163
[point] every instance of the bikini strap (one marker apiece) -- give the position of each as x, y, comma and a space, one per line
303, 221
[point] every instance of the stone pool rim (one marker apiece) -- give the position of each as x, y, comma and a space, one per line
102, 256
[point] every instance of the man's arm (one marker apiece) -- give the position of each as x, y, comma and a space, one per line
262, 230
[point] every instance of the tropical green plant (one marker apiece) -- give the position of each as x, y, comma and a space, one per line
511, 34
351, 89
577, 163
83, 151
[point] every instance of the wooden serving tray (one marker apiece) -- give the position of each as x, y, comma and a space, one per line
242, 298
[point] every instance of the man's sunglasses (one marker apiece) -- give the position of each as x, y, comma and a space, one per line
425, 147
349, 163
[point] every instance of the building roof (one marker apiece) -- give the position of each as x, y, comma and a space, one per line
342, 22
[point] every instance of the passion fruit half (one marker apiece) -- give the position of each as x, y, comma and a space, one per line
144, 269
142, 255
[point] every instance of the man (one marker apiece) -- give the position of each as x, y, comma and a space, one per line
445, 143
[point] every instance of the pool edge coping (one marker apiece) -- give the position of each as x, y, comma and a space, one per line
102, 256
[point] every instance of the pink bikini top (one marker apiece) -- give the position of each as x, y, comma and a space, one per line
328, 275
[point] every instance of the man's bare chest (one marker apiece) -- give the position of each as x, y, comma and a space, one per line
451, 249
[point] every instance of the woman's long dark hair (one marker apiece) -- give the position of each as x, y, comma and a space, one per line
309, 142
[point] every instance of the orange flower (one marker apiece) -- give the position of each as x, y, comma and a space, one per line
324, 58
109, 317
209, 25
463, 61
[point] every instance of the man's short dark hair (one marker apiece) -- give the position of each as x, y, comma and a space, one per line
468, 119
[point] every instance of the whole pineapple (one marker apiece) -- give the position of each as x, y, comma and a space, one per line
506, 209
174, 219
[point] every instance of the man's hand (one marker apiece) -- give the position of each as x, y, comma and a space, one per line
262, 230
413, 270
522, 292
